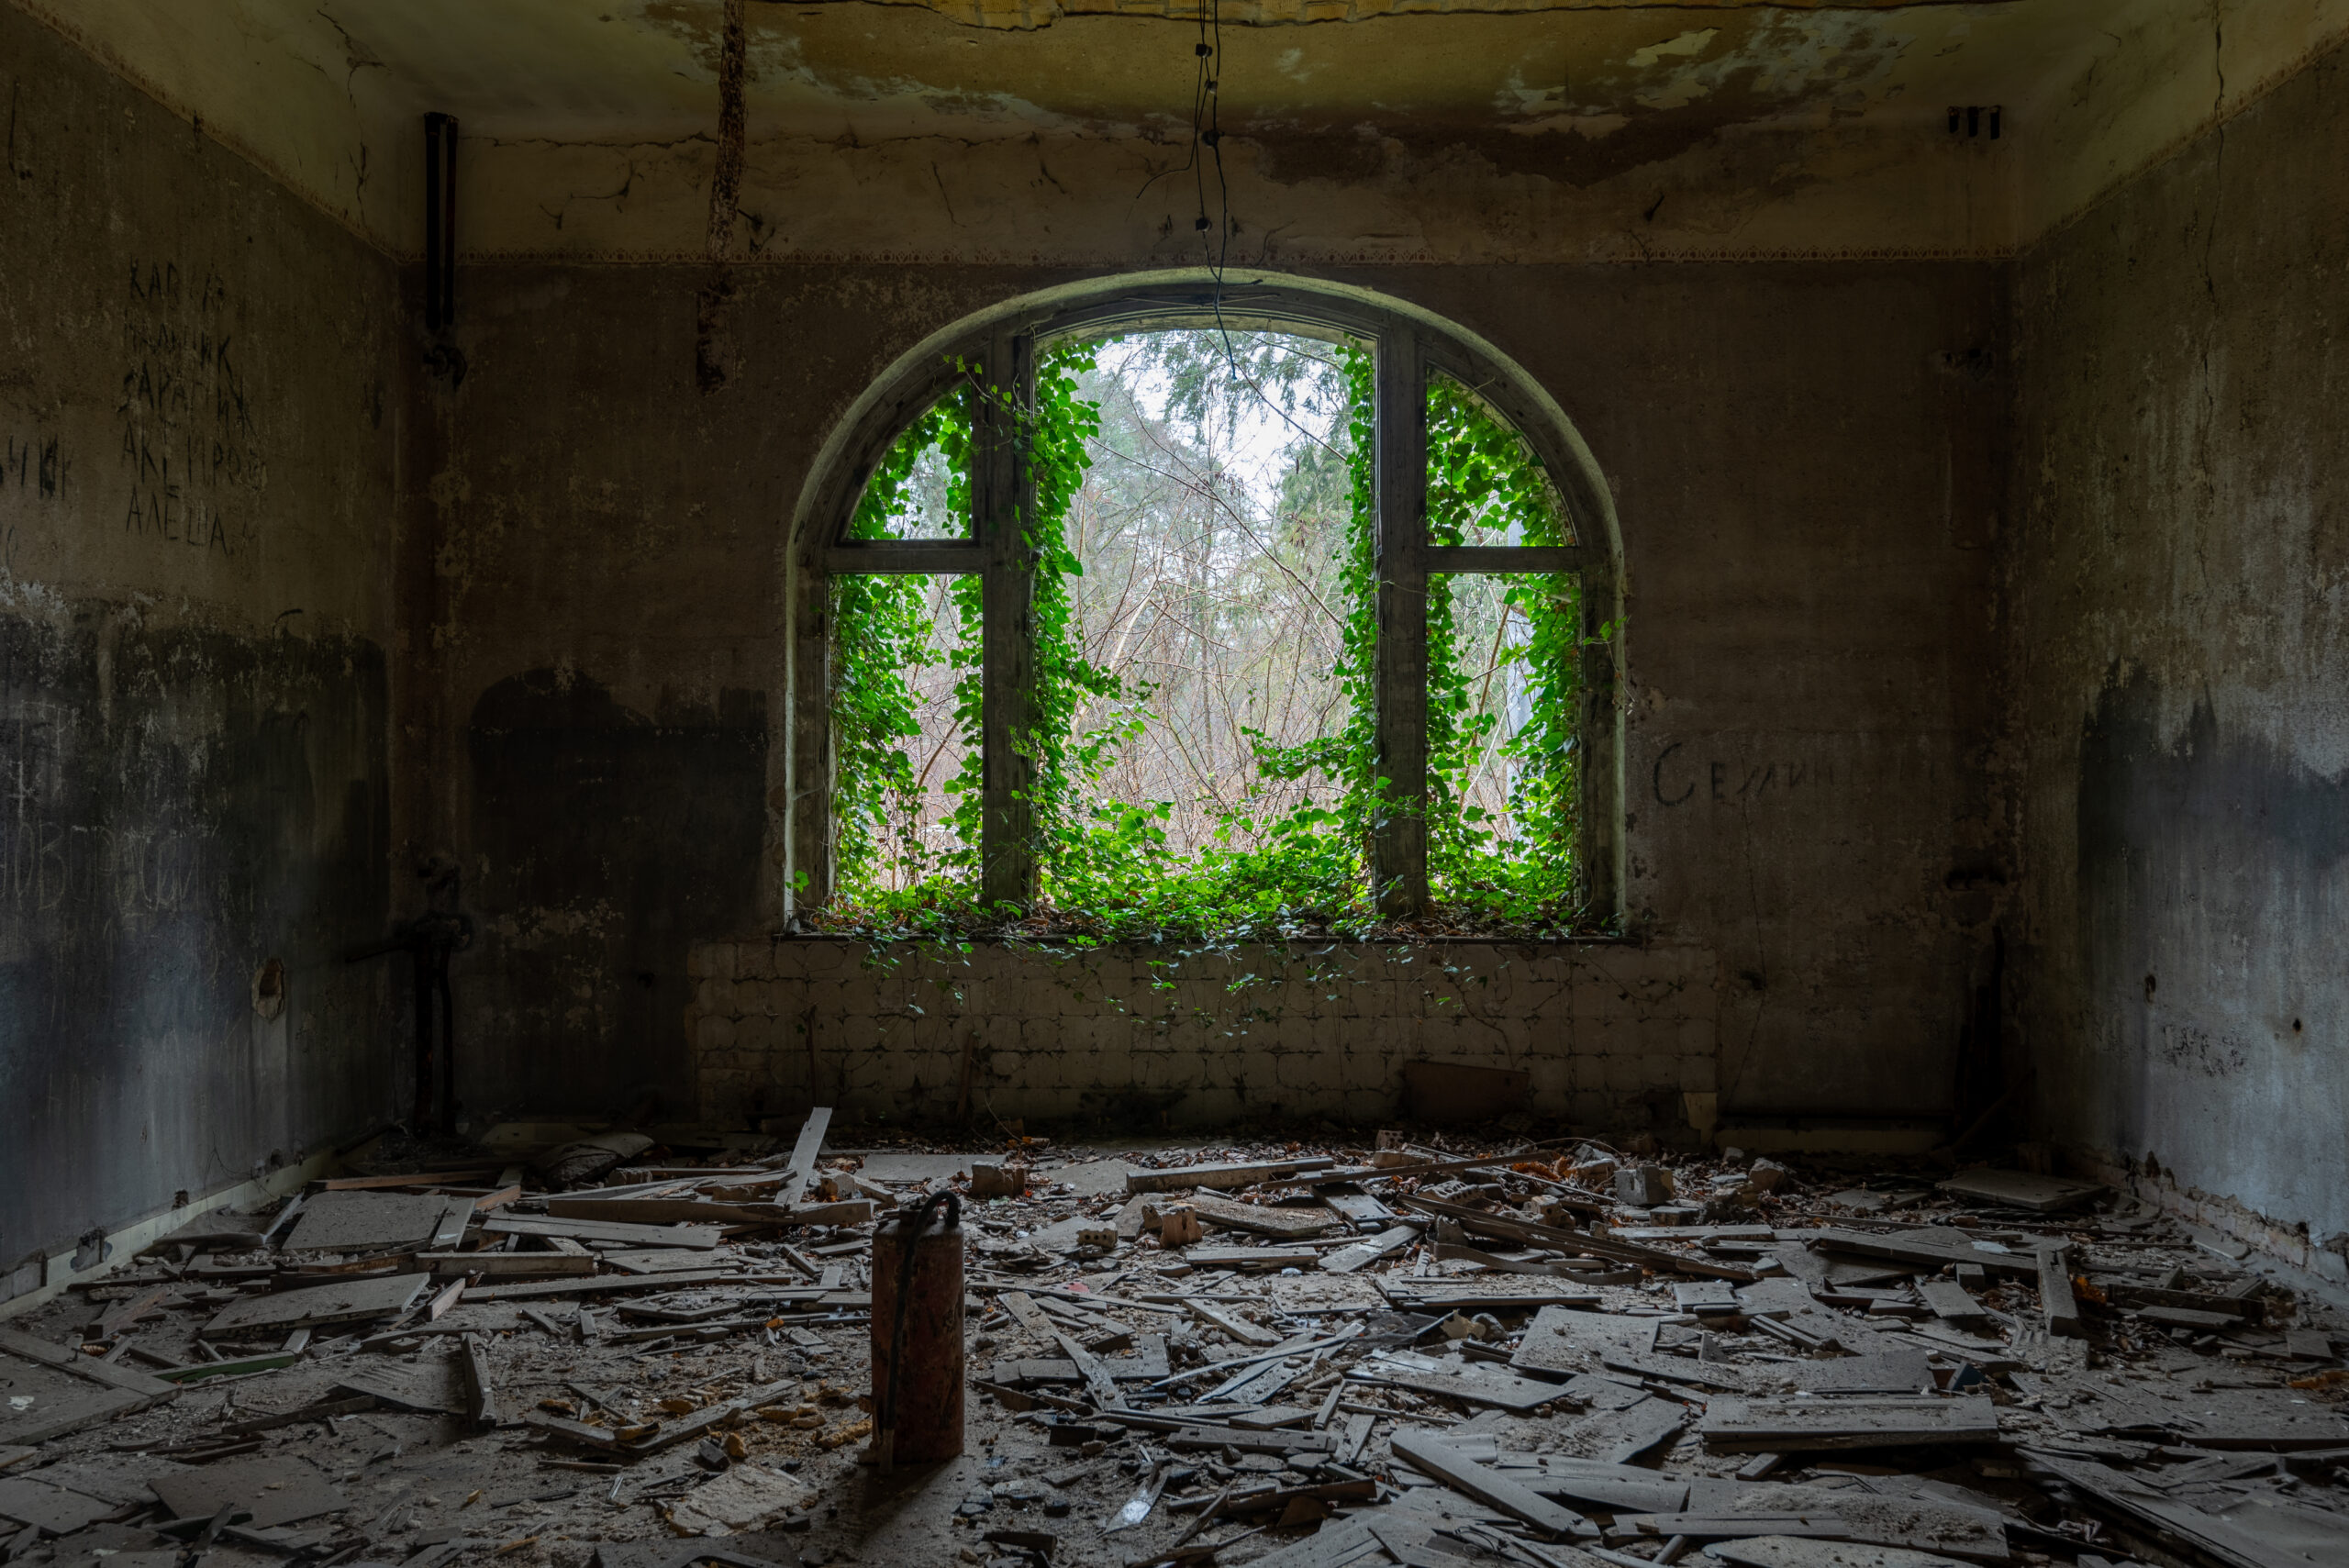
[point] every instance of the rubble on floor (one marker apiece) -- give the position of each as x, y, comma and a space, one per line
1557, 1355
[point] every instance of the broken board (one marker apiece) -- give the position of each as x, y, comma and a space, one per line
432, 1384
656, 1259
1618, 1437
1499, 1389
46, 1391
701, 1236
1562, 1340
2020, 1189
1508, 1293
1797, 1552
1789, 1426
280, 1491
648, 1211
53, 1510
345, 1303
1283, 1224
1617, 1488
372, 1221
1226, 1175
1892, 1371
1431, 1456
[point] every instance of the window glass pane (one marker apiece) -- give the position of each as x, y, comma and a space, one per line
923, 488
1485, 485
905, 681
1504, 679
1211, 529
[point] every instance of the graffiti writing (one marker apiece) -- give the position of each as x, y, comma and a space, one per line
35, 466
190, 446
1679, 781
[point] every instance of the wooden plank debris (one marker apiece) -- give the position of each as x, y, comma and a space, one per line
2020, 1189
122, 1314
804, 1155
1346, 1260
1896, 1372
1273, 1257
1024, 1310
278, 1491
49, 1391
349, 1302
1431, 1456
2060, 1308
1615, 1488
375, 1221
1498, 1389
1480, 1293
1229, 1176
1797, 1552
703, 1236
2308, 1345
2170, 1520
1636, 1430
51, 1510
1548, 1267
1231, 1324
1950, 1302
1265, 1219
1733, 1426
1930, 1254
1861, 1515
237, 1367
648, 1211
41, 1404
612, 1284
655, 1260
25, 1346
481, 1389
507, 1265
404, 1179
1592, 1241
1098, 1381
434, 1385
1562, 1339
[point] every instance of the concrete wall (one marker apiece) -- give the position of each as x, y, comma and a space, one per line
2180, 605
1611, 1035
1806, 460
197, 394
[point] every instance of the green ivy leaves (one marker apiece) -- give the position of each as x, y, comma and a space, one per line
1109, 872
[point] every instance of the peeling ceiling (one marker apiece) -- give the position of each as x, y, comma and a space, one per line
637, 67
590, 123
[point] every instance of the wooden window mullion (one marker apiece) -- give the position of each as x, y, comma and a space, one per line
1398, 843
1002, 501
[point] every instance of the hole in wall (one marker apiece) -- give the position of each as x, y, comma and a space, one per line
269, 988
2149, 988
2296, 1026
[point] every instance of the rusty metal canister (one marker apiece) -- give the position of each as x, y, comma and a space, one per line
918, 1336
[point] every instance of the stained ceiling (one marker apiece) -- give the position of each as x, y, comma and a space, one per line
1577, 95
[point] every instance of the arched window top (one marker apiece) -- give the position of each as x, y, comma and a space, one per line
1472, 476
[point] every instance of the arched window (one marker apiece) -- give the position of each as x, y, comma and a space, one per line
1395, 654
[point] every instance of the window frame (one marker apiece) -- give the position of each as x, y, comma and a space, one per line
1001, 357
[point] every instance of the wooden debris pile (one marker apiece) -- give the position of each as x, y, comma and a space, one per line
646, 1354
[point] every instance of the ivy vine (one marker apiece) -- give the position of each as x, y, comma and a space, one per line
1108, 871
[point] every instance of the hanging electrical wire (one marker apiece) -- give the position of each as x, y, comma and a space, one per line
1214, 229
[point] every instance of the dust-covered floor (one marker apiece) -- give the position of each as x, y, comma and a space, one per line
1470, 1350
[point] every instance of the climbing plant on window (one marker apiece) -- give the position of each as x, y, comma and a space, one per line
884, 635
1284, 834
1513, 857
